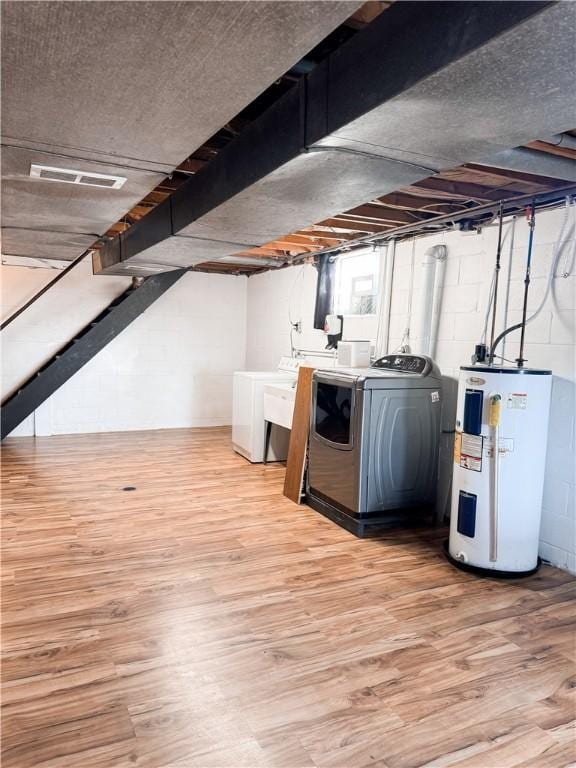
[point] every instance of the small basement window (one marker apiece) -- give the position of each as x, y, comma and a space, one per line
357, 284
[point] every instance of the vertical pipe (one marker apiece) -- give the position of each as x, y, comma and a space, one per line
433, 268
428, 274
494, 422
531, 223
439, 275
494, 505
496, 278
384, 312
508, 281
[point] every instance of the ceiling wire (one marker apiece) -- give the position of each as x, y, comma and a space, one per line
371, 155
298, 324
115, 162
514, 205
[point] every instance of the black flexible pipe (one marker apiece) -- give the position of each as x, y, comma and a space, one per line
532, 222
503, 335
496, 278
522, 324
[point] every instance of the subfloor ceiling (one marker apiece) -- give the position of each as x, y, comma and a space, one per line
128, 89
412, 98
252, 135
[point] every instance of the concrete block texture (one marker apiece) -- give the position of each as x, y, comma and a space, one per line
550, 338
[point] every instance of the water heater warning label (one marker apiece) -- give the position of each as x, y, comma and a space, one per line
518, 400
471, 452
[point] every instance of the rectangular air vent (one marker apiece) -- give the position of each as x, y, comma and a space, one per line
69, 176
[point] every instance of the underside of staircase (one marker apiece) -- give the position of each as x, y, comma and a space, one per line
83, 347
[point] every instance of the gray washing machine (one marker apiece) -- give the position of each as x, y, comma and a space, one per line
374, 438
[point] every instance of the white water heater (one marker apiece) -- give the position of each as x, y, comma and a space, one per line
497, 493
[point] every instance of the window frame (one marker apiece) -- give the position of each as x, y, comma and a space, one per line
375, 274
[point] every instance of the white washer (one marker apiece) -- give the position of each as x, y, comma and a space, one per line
373, 449
248, 428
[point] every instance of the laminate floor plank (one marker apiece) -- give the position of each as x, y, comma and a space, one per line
203, 620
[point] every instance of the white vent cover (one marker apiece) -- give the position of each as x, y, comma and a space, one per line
142, 267
76, 177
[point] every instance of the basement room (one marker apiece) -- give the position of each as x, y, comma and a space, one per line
288, 355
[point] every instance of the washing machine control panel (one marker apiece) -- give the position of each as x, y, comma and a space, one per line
403, 364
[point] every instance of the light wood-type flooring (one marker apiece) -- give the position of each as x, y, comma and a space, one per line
203, 620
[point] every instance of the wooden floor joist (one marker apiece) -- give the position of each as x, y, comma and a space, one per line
203, 620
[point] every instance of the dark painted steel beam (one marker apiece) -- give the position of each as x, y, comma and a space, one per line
128, 89
417, 91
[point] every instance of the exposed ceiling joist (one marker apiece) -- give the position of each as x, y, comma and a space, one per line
463, 190
252, 192
561, 150
530, 161
410, 202
476, 217
327, 233
352, 225
449, 209
385, 214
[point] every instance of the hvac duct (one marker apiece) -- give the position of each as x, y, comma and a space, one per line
128, 89
414, 92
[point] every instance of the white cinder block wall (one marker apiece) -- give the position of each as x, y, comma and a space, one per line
550, 338
39, 332
33, 337
276, 297
172, 367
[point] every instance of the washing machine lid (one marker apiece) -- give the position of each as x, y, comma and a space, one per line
401, 365
369, 378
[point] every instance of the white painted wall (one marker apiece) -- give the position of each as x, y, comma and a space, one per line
171, 367
36, 335
550, 339
33, 338
274, 298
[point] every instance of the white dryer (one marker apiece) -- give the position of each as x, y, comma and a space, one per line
248, 427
